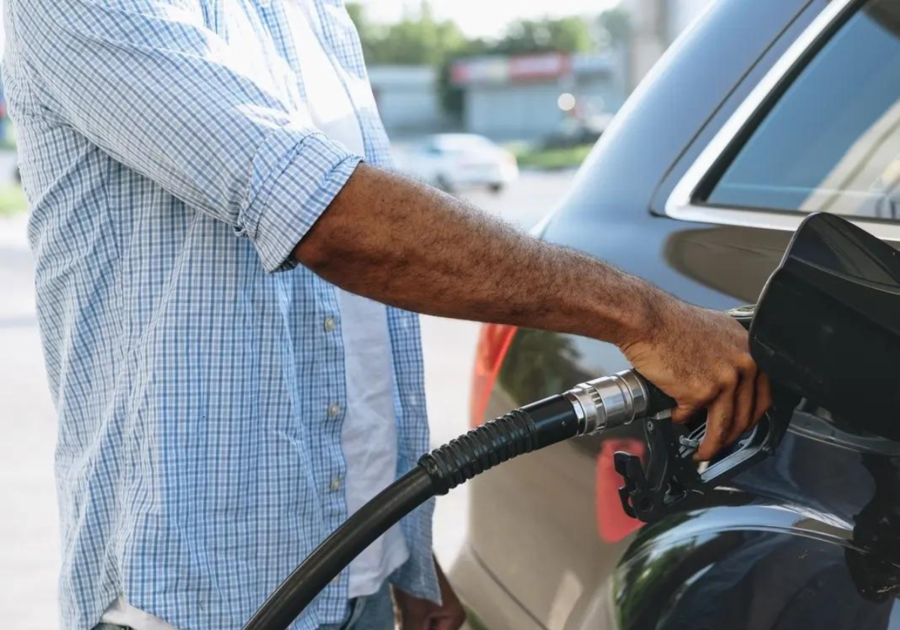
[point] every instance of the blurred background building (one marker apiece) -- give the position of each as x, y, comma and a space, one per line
408, 98
536, 96
541, 80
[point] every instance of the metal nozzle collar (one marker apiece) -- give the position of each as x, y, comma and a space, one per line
608, 402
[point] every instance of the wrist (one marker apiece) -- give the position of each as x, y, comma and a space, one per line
641, 319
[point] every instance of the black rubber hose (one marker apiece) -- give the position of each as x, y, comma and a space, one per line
521, 431
338, 550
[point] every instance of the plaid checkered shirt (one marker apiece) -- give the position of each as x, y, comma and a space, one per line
171, 168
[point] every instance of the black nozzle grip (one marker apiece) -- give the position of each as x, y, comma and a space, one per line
657, 399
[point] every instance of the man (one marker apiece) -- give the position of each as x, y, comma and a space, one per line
197, 190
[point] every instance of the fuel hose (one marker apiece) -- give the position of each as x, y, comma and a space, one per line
587, 409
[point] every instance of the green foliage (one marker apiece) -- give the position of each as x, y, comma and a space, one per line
358, 15
12, 200
424, 40
451, 96
9, 135
616, 27
549, 159
418, 41
567, 35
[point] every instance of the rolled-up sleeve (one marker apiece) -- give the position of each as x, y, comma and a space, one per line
148, 83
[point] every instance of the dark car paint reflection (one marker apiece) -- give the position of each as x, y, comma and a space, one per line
707, 255
542, 364
816, 572
752, 581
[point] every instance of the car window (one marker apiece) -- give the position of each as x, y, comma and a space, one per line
831, 142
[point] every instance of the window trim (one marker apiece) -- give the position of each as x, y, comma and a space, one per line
681, 205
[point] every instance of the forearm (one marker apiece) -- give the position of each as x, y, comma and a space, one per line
406, 244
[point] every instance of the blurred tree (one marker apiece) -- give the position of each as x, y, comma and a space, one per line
417, 40
616, 27
568, 35
452, 98
412, 41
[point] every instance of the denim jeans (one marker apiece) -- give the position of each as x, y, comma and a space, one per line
375, 612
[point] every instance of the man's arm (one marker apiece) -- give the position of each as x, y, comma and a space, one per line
150, 85
406, 244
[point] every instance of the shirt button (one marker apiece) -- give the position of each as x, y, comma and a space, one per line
335, 484
330, 324
334, 411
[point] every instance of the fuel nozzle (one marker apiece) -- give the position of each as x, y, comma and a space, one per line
587, 409
668, 480
614, 401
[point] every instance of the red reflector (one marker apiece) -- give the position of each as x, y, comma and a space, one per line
493, 342
612, 523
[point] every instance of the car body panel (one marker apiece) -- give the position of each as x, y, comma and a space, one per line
802, 543
742, 579
474, 582
544, 527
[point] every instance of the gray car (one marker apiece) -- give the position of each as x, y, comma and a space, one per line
765, 111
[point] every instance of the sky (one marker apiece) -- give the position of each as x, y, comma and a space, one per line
487, 18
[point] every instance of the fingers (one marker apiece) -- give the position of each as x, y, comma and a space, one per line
745, 400
718, 425
735, 411
683, 413
763, 397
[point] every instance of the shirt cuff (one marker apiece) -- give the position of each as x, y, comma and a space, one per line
296, 177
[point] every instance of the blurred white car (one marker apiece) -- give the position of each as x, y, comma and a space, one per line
459, 160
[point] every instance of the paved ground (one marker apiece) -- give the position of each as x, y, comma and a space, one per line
29, 546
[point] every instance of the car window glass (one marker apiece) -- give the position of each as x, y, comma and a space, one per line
832, 141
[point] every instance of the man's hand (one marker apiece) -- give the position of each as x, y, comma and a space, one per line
702, 359
406, 244
421, 614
